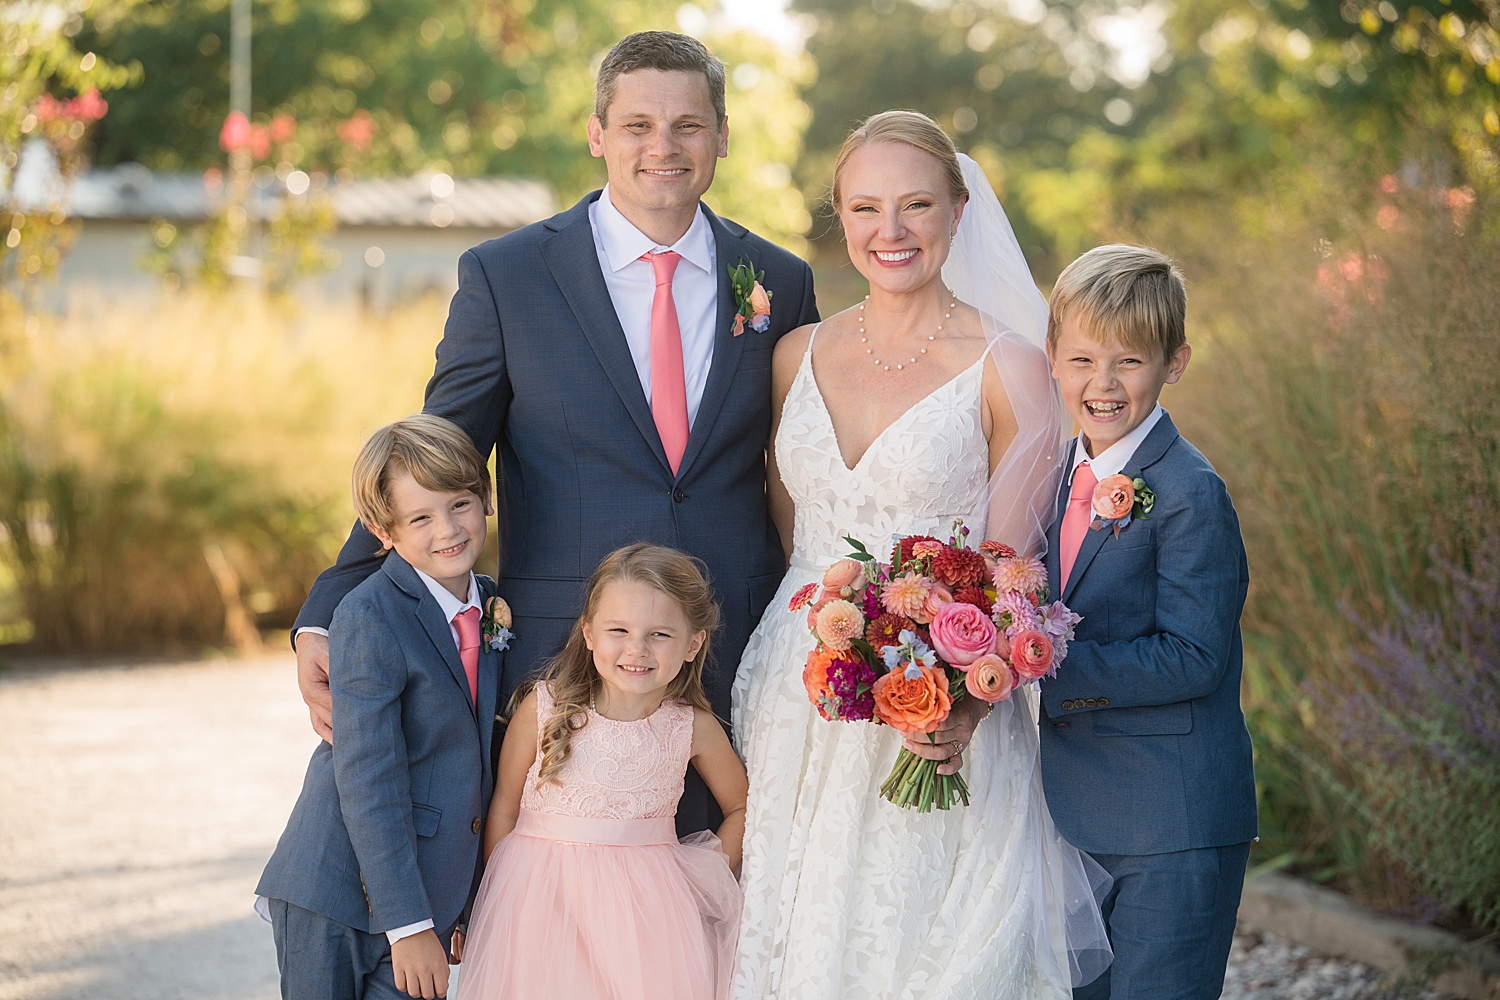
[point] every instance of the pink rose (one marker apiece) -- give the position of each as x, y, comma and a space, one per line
961, 633
990, 679
844, 573
1031, 654
1113, 497
760, 301
936, 598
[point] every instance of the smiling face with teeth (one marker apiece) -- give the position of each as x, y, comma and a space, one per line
898, 215
660, 140
641, 639
1108, 387
437, 532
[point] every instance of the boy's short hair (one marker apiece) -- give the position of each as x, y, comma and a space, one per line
437, 454
1132, 295
667, 51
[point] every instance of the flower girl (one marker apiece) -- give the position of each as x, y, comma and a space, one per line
587, 892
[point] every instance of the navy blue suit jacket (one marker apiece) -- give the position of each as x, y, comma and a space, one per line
534, 364
386, 831
1143, 745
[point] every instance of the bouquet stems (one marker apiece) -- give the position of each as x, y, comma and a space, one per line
915, 784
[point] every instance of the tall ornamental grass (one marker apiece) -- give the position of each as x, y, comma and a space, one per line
1345, 386
142, 441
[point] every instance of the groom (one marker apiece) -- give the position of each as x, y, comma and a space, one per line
597, 351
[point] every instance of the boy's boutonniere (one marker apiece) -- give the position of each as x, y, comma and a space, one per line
1118, 499
495, 625
752, 303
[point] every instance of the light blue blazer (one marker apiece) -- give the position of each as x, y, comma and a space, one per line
1143, 745
387, 829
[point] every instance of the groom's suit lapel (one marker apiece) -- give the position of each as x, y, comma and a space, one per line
1149, 453
729, 249
574, 263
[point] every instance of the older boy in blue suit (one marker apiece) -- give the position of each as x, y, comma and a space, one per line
1145, 757
380, 859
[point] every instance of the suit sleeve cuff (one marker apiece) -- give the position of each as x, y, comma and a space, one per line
392, 936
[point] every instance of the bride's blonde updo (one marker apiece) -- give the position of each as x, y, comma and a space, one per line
911, 128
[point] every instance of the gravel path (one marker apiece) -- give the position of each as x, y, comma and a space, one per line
139, 804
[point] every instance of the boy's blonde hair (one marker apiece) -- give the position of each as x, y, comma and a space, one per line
1131, 295
437, 454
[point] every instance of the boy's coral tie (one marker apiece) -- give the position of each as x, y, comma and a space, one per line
1075, 522
467, 623
668, 387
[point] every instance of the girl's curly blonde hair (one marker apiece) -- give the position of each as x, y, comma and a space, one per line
571, 676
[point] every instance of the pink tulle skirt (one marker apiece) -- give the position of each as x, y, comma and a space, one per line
591, 909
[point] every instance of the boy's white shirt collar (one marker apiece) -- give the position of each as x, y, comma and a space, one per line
1112, 460
451, 605
624, 243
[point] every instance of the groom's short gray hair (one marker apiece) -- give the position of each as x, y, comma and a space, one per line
660, 50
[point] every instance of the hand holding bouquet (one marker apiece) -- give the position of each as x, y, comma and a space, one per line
900, 643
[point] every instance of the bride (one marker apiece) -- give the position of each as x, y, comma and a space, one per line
929, 401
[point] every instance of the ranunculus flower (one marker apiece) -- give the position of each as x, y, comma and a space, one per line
936, 598
838, 622
844, 573
918, 705
1031, 654
906, 595
803, 597
1114, 496
760, 300
990, 679
961, 633
815, 679
500, 612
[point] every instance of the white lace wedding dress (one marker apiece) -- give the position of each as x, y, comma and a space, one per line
846, 896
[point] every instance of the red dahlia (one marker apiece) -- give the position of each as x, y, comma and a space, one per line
886, 630
904, 550
958, 567
975, 596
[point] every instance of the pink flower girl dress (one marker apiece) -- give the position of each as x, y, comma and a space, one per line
592, 897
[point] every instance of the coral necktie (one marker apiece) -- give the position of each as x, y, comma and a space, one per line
467, 623
668, 387
1075, 522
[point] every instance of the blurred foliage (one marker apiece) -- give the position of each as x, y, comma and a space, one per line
467, 87
49, 98
1083, 136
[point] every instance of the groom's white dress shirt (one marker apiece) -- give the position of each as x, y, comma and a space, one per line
450, 607
632, 284
1112, 460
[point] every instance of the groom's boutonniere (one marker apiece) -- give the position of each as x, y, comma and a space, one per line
752, 303
1119, 499
495, 625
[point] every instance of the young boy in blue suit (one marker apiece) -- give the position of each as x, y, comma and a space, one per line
380, 859
1145, 757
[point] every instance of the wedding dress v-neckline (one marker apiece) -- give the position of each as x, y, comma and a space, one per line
807, 363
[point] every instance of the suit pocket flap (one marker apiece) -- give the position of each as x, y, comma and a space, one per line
1152, 720
425, 819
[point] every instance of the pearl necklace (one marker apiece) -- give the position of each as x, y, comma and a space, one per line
863, 339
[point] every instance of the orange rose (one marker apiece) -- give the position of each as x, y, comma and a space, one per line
912, 706
815, 678
1113, 497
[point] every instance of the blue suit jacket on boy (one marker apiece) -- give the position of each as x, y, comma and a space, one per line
387, 830
1143, 745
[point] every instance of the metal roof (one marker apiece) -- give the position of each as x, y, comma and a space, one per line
431, 200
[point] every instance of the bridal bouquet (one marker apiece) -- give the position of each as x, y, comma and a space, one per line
900, 643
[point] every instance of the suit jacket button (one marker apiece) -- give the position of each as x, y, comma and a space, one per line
1103, 702
679, 496
1067, 706
475, 825
1092, 702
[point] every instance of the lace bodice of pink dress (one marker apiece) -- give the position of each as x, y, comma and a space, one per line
618, 770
